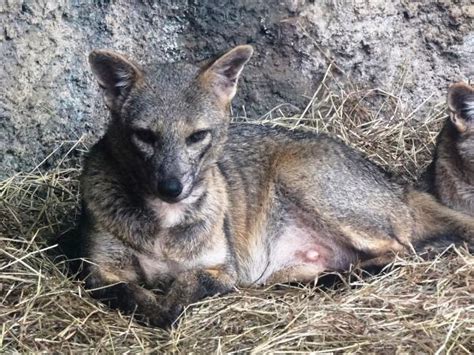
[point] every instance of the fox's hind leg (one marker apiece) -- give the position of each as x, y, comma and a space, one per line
297, 273
340, 204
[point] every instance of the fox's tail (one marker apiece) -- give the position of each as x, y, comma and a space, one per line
438, 226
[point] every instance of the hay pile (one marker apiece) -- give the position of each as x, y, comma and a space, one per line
416, 306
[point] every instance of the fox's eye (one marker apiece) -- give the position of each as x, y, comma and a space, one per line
145, 135
197, 137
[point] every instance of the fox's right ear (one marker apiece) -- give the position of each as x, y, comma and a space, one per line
461, 106
116, 76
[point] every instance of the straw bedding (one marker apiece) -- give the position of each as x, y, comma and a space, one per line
416, 305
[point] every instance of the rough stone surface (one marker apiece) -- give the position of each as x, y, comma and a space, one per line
48, 96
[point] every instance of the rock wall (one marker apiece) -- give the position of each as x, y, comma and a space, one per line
48, 96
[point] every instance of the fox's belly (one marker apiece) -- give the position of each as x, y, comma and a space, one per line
295, 253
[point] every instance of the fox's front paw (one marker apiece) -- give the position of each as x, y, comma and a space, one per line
165, 317
194, 286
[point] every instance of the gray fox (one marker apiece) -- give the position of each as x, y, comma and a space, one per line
180, 204
451, 174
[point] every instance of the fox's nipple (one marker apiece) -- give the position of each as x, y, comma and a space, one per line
312, 255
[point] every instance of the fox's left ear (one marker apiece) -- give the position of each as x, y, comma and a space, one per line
221, 75
461, 106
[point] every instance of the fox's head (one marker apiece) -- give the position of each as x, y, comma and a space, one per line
169, 123
461, 107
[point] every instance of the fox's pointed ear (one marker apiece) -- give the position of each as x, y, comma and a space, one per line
221, 75
461, 106
115, 74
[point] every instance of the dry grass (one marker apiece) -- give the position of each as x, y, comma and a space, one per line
416, 306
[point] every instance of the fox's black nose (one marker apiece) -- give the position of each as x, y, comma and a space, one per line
170, 188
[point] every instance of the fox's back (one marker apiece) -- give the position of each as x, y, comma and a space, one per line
256, 154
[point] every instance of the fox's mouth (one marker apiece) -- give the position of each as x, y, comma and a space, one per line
168, 199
